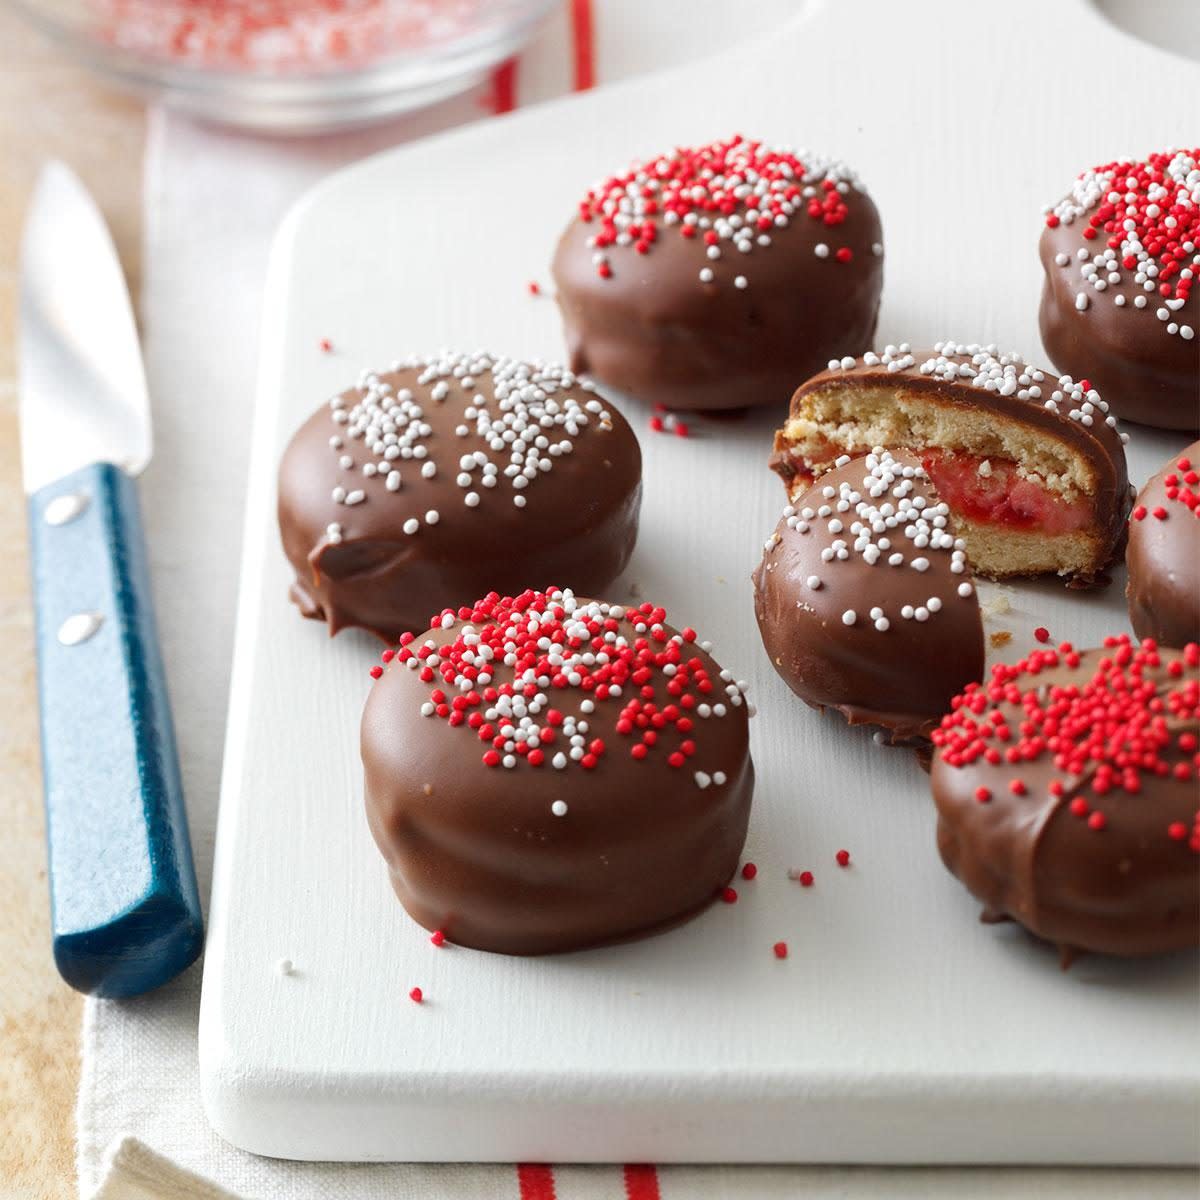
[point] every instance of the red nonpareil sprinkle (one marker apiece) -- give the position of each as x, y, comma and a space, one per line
780, 949
326, 345
1177, 831
730, 196
1139, 512
1118, 717
749, 871
656, 424
1159, 513
729, 895
438, 938
1042, 633
983, 794
681, 429
416, 995
803, 878
1144, 218
284, 37
535, 288
843, 858
376, 671
1181, 487
546, 645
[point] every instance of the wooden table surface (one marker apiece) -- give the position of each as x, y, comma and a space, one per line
48, 107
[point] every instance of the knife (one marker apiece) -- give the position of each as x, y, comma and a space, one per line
124, 903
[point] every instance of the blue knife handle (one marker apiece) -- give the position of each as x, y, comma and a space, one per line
124, 902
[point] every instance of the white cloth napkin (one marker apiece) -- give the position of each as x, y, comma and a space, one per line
213, 200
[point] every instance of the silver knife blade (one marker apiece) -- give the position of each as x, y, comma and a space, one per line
83, 390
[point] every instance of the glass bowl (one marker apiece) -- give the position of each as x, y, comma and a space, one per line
291, 66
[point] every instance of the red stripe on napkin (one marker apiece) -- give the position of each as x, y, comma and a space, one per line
582, 34
536, 1181
504, 87
641, 1182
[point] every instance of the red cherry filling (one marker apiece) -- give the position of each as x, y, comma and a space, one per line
1002, 496
999, 497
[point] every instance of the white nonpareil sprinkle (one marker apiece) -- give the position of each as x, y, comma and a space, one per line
524, 704
880, 510
1133, 258
731, 192
559, 808
524, 415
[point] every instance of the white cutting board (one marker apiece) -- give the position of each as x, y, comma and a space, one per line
899, 1029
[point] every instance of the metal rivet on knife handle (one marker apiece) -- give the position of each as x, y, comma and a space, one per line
65, 508
79, 627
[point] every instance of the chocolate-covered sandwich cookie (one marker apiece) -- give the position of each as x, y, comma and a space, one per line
865, 600
547, 773
433, 480
719, 276
1120, 252
1163, 554
1068, 800
1031, 465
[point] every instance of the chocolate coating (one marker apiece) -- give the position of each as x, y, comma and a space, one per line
970, 380
902, 675
654, 330
1125, 882
1146, 373
1163, 555
478, 851
356, 563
